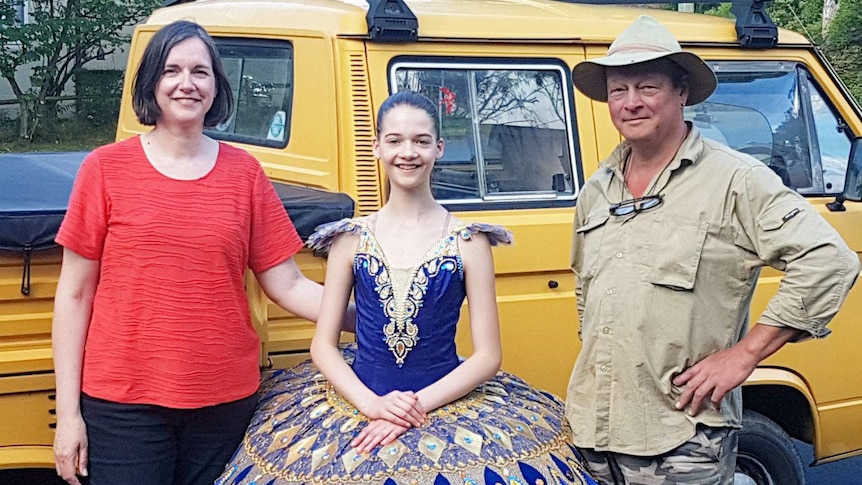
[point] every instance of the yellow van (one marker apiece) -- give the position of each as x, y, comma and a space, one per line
308, 76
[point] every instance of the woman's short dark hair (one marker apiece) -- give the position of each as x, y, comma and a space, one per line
408, 98
153, 64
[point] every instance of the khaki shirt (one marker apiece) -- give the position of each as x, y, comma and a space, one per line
661, 289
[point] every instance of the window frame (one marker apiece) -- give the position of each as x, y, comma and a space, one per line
471, 64
251, 42
808, 80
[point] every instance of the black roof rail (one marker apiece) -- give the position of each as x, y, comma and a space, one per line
388, 20
754, 28
391, 21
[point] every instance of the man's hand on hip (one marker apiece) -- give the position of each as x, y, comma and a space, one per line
713, 377
717, 374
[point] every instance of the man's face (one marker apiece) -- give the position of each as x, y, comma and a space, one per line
644, 104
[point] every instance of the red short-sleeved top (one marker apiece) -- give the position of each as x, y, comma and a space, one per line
171, 323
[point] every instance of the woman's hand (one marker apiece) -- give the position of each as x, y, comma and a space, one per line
377, 432
401, 408
70, 449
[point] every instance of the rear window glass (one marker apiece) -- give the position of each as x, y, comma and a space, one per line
507, 129
261, 76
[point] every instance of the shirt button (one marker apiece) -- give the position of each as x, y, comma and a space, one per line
620, 254
606, 330
610, 291
604, 368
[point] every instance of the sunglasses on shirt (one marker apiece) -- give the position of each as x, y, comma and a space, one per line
633, 206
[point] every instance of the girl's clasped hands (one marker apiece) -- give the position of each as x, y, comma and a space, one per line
390, 416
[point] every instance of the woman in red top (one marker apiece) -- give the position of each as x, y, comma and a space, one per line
155, 354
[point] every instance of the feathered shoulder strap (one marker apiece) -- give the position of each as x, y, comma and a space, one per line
496, 234
324, 234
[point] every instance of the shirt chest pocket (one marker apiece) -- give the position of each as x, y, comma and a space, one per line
590, 234
676, 252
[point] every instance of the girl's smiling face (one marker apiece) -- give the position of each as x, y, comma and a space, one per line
408, 145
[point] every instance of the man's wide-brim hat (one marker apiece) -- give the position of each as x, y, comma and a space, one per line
645, 40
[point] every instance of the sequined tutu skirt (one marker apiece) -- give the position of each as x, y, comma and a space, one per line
504, 432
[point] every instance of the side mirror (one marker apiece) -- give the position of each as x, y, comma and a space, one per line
853, 180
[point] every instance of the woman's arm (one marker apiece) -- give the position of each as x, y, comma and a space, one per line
285, 285
73, 305
484, 327
398, 407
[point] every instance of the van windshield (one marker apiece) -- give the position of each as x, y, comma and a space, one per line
775, 112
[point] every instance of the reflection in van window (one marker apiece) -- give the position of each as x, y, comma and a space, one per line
832, 138
506, 131
261, 76
775, 113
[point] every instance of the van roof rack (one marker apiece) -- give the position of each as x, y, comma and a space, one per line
754, 28
388, 20
391, 21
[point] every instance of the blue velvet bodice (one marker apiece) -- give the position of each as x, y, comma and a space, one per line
406, 341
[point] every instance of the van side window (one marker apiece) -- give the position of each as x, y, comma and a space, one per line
507, 130
261, 76
776, 113
833, 139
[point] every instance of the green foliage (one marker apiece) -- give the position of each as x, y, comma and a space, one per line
58, 38
62, 135
99, 93
847, 25
803, 16
843, 45
721, 10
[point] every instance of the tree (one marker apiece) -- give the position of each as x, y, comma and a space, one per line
843, 44
830, 8
803, 16
57, 38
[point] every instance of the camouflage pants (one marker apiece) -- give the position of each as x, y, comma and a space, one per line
709, 458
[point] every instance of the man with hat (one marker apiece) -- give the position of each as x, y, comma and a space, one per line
670, 234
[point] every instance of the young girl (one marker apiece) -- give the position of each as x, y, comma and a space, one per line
404, 408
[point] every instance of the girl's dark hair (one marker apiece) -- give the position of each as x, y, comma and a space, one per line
409, 98
153, 63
